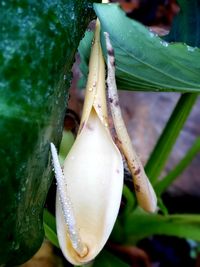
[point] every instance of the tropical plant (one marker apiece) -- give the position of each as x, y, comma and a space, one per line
144, 62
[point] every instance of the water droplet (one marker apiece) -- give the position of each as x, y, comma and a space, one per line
91, 89
72, 16
65, 77
151, 34
19, 10
27, 219
23, 189
18, 196
33, 211
165, 44
52, 26
72, 157
190, 48
15, 245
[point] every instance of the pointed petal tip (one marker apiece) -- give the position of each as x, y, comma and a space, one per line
149, 203
52, 146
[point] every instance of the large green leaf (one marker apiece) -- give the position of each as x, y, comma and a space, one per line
139, 225
186, 25
143, 60
146, 62
38, 43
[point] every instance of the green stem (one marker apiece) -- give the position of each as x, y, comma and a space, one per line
130, 200
162, 185
169, 135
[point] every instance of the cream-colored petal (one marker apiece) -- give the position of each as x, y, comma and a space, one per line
95, 95
93, 173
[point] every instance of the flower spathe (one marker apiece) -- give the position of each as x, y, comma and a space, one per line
90, 187
94, 173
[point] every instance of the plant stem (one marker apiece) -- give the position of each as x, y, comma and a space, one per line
161, 186
169, 135
130, 200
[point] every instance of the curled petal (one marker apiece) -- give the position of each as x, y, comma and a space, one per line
90, 186
93, 172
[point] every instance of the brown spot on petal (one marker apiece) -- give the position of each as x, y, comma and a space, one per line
118, 141
137, 171
110, 100
113, 63
116, 103
111, 52
137, 188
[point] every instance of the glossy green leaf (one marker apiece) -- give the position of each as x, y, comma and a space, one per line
139, 225
186, 25
37, 47
144, 61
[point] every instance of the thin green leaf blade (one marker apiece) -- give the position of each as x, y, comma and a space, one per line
169, 136
49, 224
162, 185
130, 200
140, 225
